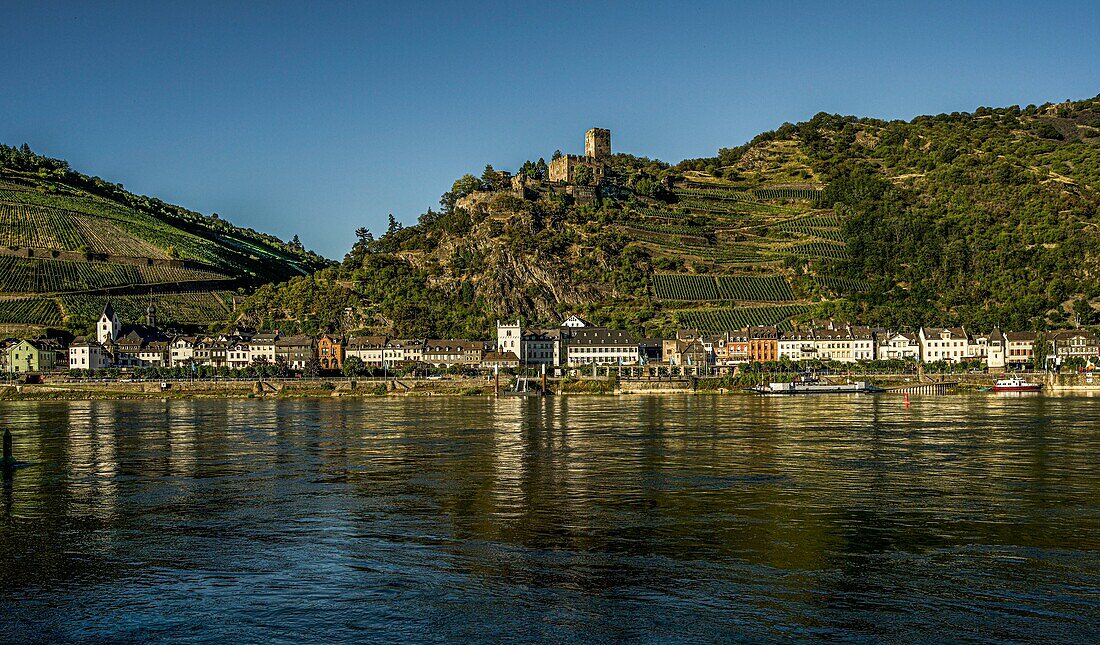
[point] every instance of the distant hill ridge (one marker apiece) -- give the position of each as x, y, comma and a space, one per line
984, 218
68, 240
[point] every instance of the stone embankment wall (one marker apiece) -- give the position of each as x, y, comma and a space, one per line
57, 388
63, 389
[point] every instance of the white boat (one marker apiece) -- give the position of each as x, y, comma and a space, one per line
1016, 384
815, 387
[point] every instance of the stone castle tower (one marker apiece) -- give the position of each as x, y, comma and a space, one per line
597, 143
597, 148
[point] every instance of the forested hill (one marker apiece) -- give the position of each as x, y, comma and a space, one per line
69, 241
983, 218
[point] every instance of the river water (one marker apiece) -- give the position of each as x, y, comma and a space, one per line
584, 519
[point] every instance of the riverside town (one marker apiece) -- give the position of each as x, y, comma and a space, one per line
144, 349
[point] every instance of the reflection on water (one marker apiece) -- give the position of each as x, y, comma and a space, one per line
593, 519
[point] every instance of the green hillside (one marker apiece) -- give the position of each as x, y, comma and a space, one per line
68, 241
984, 218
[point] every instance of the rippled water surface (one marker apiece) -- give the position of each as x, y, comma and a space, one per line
969, 518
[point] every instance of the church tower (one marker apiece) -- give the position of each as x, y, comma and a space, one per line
151, 315
108, 327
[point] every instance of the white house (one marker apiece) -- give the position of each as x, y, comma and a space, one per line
238, 354
943, 344
154, 353
261, 349
898, 346
977, 347
88, 355
369, 349
509, 337
863, 343
833, 344
603, 346
181, 350
797, 346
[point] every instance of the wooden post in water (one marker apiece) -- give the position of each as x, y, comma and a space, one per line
496, 377
8, 462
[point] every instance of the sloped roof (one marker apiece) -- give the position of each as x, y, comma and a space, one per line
937, 333
596, 337
366, 342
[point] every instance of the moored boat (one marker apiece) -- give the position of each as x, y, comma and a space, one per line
815, 387
1016, 384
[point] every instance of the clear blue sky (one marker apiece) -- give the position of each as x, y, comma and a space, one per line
317, 118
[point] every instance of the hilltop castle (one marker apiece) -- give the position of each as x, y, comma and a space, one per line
597, 148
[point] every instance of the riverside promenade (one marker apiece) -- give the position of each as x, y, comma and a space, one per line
74, 389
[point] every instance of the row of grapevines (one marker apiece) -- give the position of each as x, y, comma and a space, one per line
804, 194
796, 226
759, 288
22, 225
38, 276
733, 318
826, 250
136, 224
197, 307
722, 287
30, 311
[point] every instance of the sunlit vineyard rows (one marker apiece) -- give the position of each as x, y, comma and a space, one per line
45, 276
728, 319
199, 307
722, 287
23, 225
816, 250
30, 311
98, 225
728, 208
803, 194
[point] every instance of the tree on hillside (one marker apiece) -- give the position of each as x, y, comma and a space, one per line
1083, 313
466, 185
363, 236
492, 179
392, 226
